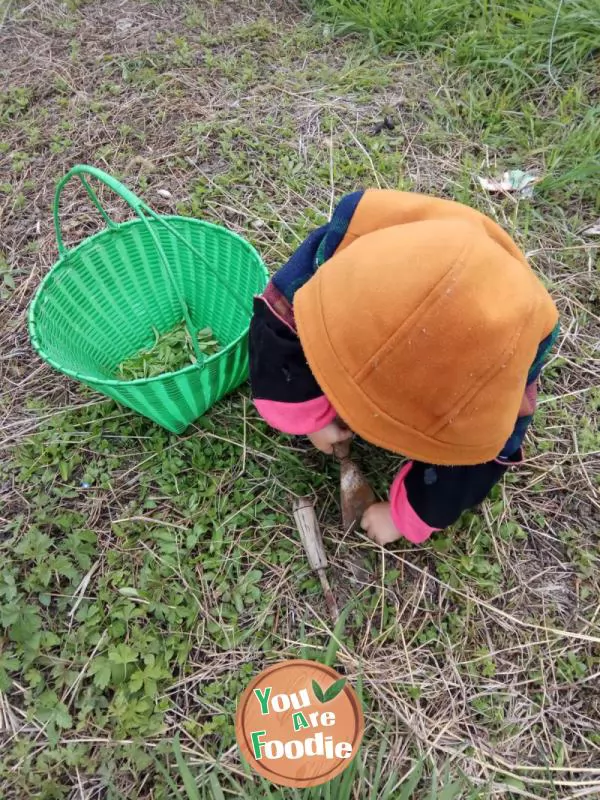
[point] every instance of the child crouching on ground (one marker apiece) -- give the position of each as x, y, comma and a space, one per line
416, 323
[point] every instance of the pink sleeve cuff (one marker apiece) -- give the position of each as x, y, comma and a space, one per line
300, 419
408, 522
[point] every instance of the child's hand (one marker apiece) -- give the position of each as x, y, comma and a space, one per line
378, 524
331, 434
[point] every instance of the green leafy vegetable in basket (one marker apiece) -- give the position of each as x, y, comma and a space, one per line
170, 352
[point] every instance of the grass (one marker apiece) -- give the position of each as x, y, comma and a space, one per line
146, 577
358, 780
516, 45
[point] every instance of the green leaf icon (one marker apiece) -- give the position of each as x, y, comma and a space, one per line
334, 689
331, 693
318, 692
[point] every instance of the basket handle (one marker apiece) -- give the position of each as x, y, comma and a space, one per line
141, 209
82, 170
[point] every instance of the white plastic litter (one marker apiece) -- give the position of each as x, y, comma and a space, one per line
515, 182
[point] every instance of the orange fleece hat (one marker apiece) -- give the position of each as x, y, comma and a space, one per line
422, 327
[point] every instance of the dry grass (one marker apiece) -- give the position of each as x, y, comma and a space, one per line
481, 649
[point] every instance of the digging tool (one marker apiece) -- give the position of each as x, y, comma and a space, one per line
356, 494
310, 536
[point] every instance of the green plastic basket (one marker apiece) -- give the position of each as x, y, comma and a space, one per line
101, 302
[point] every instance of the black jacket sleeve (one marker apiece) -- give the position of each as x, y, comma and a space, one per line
278, 368
439, 495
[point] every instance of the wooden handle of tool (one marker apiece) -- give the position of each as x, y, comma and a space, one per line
310, 536
310, 533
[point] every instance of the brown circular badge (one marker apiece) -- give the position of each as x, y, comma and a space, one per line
299, 723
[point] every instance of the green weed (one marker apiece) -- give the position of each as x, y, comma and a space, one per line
170, 352
14, 102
